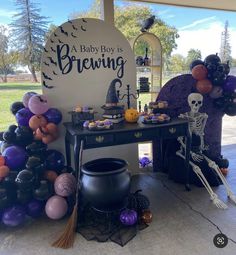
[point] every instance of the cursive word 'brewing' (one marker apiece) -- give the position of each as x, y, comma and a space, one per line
66, 62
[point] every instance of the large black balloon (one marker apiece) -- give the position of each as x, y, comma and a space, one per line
25, 180
37, 148
23, 197
4, 200
9, 137
15, 107
44, 191
55, 161
12, 128
1, 136
24, 135
212, 59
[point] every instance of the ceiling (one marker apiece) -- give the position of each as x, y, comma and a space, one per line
228, 5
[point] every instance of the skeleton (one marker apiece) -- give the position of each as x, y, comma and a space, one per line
197, 122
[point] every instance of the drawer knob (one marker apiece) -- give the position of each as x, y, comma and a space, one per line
138, 134
172, 130
99, 139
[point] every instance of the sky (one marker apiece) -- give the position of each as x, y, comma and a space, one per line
198, 28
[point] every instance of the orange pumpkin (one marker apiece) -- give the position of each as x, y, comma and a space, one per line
4, 171
2, 161
131, 115
37, 121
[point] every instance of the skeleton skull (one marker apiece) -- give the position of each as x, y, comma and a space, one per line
195, 101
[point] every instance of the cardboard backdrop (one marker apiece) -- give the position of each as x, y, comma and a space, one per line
80, 59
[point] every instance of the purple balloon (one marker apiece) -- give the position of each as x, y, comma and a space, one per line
53, 115
27, 97
34, 208
23, 116
38, 104
14, 216
55, 160
15, 157
230, 84
56, 207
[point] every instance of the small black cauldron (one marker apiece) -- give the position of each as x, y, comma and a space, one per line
105, 183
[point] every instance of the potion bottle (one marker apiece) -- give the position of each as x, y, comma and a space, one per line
146, 59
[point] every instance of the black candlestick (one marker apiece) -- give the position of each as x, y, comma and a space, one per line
128, 95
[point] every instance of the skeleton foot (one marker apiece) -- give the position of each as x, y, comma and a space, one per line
217, 202
232, 197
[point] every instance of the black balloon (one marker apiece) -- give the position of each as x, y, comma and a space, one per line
230, 109
226, 68
24, 135
37, 148
195, 63
1, 136
15, 107
43, 192
4, 201
24, 197
212, 59
12, 128
9, 137
222, 162
25, 180
5, 145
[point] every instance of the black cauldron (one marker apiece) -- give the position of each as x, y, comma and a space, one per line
105, 183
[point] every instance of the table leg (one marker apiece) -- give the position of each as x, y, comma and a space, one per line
187, 158
76, 154
67, 148
156, 154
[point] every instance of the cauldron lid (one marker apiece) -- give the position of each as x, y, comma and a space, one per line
104, 166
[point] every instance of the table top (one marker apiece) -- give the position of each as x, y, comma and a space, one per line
123, 126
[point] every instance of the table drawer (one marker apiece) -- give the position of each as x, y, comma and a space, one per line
135, 136
172, 132
99, 139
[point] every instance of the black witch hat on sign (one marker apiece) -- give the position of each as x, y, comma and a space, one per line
111, 98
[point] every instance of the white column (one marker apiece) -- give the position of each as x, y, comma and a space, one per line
107, 11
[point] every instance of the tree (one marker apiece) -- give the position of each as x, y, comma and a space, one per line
7, 59
177, 63
225, 48
128, 20
50, 30
193, 54
28, 34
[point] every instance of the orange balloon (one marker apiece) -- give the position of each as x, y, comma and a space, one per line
204, 86
199, 72
2, 161
50, 175
4, 171
37, 121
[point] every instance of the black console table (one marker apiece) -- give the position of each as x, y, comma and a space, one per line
124, 133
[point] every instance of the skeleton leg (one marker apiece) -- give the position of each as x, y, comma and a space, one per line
216, 168
202, 178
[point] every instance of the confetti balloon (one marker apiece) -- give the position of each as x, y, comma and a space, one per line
53, 115
38, 104
27, 97
56, 207
15, 157
23, 116
14, 216
65, 185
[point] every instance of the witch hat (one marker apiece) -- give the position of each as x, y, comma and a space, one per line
111, 98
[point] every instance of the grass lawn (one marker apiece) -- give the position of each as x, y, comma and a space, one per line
10, 93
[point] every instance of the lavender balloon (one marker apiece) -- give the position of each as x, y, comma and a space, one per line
27, 97
65, 185
14, 216
38, 104
53, 115
23, 116
230, 84
56, 207
15, 157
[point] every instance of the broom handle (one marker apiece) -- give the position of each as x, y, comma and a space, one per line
79, 170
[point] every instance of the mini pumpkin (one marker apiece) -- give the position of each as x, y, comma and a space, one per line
146, 216
131, 115
128, 217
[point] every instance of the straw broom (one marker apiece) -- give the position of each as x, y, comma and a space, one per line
66, 240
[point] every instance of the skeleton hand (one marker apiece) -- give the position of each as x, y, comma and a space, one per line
196, 157
205, 147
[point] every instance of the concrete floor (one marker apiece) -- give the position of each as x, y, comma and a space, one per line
184, 223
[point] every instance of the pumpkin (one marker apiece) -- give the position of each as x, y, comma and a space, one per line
146, 216
138, 201
4, 171
37, 121
131, 115
128, 217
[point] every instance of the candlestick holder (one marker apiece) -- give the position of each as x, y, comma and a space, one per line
128, 95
